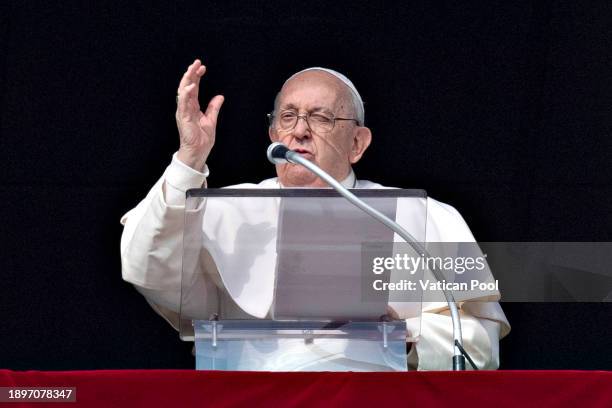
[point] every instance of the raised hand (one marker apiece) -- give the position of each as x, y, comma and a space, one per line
196, 129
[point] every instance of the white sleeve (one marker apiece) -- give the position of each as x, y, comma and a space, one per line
151, 243
483, 324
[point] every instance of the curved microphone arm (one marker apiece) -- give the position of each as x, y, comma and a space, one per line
279, 153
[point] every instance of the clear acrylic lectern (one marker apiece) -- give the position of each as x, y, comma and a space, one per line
298, 280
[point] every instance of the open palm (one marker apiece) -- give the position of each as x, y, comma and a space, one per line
196, 128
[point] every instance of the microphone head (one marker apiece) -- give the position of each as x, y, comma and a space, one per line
277, 153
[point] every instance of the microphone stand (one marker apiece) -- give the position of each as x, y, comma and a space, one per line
279, 153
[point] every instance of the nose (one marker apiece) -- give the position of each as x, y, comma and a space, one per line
301, 129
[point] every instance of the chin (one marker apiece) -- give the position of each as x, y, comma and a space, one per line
294, 176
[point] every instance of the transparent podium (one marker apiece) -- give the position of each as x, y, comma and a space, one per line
298, 280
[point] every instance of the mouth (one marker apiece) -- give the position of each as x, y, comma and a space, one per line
304, 153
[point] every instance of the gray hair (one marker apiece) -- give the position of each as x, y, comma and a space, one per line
355, 97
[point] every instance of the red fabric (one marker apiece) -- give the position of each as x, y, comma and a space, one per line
182, 388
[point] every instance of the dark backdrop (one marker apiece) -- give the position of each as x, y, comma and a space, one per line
501, 109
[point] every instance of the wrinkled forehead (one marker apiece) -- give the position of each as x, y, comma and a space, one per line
312, 88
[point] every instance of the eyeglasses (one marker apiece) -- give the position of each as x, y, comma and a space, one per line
317, 122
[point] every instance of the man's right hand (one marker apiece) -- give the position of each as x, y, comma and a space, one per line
196, 129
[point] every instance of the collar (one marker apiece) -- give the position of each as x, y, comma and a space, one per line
349, 182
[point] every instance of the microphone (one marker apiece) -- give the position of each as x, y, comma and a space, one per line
278, 153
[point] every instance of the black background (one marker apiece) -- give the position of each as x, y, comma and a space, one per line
502, 109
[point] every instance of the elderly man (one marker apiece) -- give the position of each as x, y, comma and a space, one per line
318, 113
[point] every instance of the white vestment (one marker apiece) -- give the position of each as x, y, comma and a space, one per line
151, 256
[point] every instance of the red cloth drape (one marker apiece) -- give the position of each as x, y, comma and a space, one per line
184, 388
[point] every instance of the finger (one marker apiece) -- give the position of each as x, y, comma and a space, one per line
197, 75
214, 106
185, 79
190, 76
185, 100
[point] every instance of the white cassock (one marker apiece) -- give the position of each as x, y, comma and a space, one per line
151, 257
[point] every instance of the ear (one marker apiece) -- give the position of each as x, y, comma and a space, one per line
272, 134
362, 136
